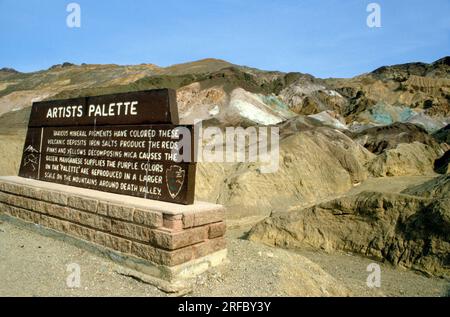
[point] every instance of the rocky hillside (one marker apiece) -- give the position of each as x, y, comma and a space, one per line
417, 93
337, 136
409, 231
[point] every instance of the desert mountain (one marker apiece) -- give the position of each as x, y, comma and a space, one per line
345, 146
418, 93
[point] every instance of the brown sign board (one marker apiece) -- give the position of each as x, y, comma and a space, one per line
124, 155
141, 107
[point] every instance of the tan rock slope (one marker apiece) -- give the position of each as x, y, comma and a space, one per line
407, 231
315, 162
438, 188
406, 159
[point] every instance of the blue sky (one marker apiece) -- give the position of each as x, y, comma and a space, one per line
326, 38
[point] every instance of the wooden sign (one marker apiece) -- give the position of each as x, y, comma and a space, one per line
141, 107
130, 146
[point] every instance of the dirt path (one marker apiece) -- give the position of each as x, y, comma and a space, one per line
390, 184
35, 265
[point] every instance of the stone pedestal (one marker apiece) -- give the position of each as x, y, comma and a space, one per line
165, 243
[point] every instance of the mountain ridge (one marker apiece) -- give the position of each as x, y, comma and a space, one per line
422, 87
201, 62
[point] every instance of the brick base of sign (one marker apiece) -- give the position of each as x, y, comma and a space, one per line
163, 241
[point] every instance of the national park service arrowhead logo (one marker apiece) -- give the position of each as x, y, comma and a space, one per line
31, 157
175, 180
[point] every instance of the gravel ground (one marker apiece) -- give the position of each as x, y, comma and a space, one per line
35, 265
351, 270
